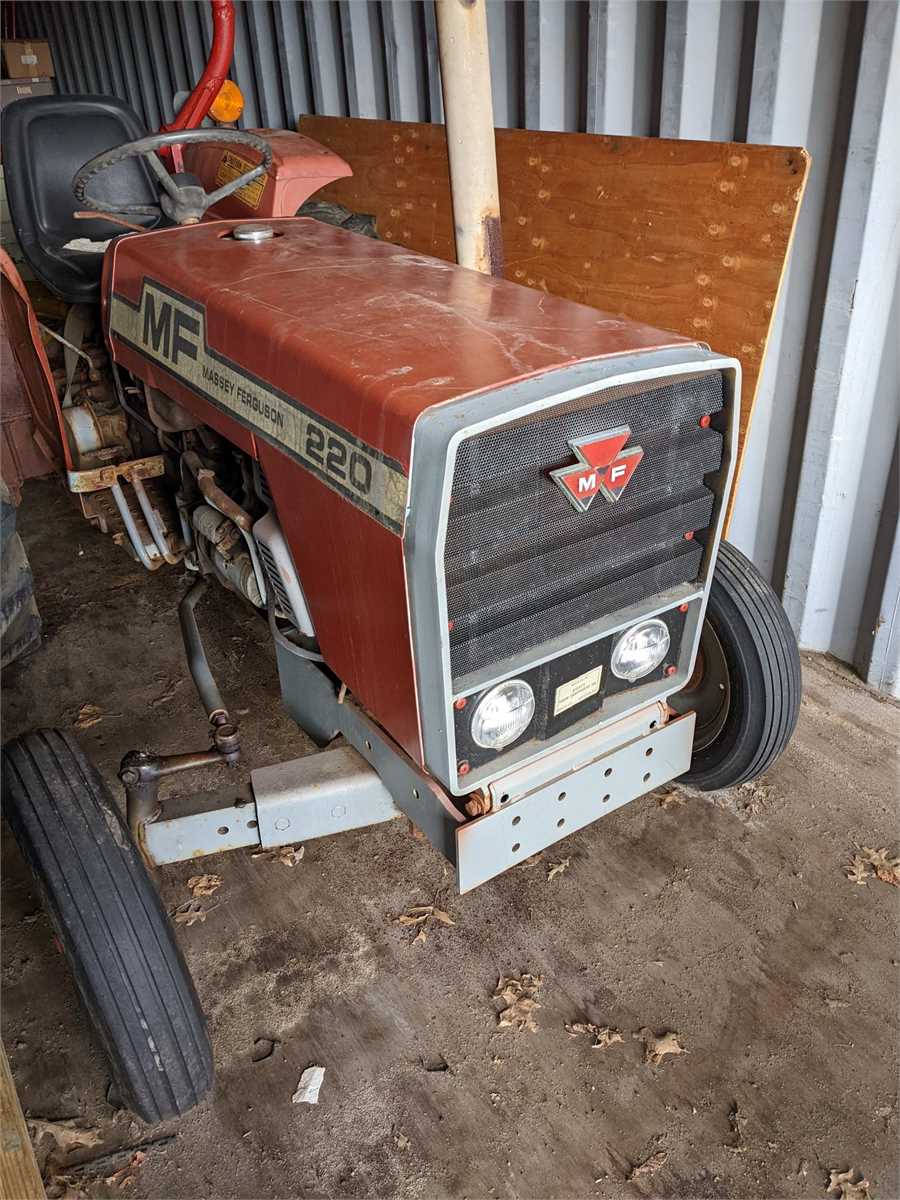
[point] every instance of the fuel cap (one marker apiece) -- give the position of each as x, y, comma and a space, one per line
253, 233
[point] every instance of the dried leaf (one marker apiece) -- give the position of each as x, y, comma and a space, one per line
518, 997
557, 869
188, 913
289, 856
203, 885
672, 798
402, 1141
529, 862
868, 862
857, 870
88, 715
886, 869
849, 1185
603, 1035
656, 1048
308, 1088
649, 1166
419, 917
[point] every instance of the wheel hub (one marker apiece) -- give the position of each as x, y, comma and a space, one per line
708, 691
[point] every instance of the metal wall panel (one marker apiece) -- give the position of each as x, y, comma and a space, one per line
818, 502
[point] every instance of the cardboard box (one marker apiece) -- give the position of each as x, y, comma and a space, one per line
27, 60
18, 89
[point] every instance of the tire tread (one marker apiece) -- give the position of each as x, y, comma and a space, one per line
739, 590
127, 965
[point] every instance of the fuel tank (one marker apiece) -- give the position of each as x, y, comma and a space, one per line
300, 167
317, 351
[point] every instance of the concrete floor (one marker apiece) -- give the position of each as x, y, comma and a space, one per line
727, 919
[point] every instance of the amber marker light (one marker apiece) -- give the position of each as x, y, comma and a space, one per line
228, 104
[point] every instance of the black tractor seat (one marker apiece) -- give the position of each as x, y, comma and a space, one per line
45, 140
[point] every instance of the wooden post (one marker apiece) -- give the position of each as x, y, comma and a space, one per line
19, 1176
469, 114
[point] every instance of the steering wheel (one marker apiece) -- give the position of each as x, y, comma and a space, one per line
183, 203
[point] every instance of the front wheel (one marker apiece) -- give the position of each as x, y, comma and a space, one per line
111, 924
745, 688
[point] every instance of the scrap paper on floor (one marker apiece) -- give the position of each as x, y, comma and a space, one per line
308, 1088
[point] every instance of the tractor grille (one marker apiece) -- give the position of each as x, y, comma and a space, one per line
283, 605
523, 566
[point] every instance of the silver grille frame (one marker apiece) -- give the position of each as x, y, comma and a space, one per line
437, 436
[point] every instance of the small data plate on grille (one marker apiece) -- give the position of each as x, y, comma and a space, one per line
582, 687
491, 844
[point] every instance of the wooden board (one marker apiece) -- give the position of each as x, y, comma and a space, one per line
19, 1176
687, 236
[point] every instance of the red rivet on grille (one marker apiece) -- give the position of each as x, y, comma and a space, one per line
460, 704
463, 768
689, 536
705, 421
683, 607
670, 670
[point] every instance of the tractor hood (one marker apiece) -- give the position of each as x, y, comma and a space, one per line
364, 334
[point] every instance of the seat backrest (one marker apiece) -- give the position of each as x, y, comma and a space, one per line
45, 140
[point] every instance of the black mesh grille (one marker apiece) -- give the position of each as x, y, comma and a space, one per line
524, 566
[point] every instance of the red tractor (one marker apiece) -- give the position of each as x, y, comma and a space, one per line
484, 525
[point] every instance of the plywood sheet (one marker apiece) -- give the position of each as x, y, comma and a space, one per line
687, 236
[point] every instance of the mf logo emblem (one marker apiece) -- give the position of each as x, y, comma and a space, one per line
604, 465
170, 330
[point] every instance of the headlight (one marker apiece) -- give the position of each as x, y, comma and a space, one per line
640, 650
502, 714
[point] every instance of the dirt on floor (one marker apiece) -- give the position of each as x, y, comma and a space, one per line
728, 920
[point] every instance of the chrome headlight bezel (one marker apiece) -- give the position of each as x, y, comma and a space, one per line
522, 711
627, 644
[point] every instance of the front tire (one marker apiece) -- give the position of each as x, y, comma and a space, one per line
109, 919
745, 689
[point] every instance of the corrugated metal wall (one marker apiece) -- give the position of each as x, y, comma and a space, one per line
818, 502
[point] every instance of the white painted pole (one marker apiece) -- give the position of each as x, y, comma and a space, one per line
469, 115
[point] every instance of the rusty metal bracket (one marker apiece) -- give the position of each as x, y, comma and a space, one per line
141, 773
106, 477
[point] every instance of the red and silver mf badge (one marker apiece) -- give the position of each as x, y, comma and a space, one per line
604, 466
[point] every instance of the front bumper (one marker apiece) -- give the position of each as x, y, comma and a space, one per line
508, 835
344, 788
